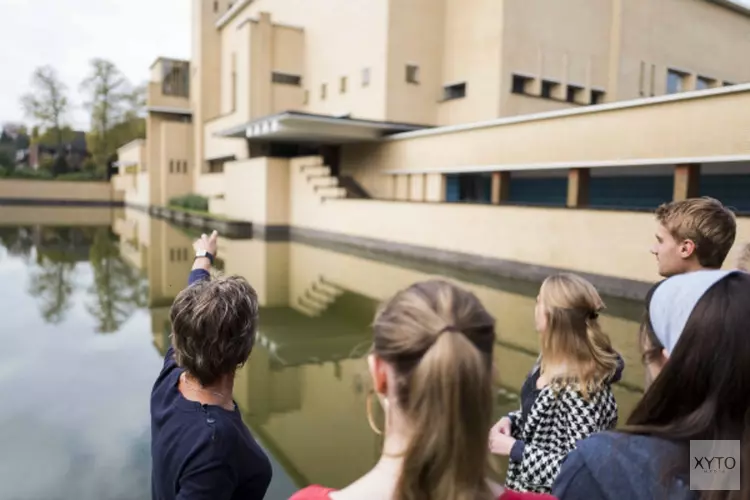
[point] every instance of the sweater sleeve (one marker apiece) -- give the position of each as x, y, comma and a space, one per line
197, 275
541, 460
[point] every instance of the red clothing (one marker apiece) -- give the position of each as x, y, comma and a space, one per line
320, 493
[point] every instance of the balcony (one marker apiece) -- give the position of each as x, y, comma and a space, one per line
157, 100
169, 88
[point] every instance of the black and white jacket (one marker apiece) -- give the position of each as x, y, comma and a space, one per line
558, 419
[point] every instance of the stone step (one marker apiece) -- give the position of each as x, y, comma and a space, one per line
316, 171
323, 181
331, 192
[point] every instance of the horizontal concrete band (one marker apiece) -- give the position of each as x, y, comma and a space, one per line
607, 285
59, 203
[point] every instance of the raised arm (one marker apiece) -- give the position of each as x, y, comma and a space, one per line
206, 248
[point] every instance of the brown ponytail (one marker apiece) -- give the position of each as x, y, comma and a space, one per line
439, 339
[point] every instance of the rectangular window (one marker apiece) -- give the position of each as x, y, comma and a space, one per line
366, 77
215, 166
548, 88
171, 166
216, 6
597, 97
184, 167
412, 73
171, 255
703, 83
286, 78
455, 91
342, 85
728, 84
521, 84
323, 91
675, 81
574, 94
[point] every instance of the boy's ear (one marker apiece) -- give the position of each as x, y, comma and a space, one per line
687, 249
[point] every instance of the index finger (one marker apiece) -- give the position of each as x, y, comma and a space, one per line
214, 235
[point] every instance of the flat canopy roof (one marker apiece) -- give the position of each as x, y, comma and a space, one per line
294, 126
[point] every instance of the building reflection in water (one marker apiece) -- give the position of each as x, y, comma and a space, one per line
303, 391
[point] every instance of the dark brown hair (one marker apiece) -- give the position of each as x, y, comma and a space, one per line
439, 339
704, 221
703, 391
213, 327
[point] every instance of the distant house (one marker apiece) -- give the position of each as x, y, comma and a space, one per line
75, 151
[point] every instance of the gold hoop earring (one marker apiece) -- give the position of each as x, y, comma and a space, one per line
370, 419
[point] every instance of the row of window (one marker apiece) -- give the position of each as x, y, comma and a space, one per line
178, 166
679, 81
550, 89
178, 255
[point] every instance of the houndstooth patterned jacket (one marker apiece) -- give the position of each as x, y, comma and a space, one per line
558, 419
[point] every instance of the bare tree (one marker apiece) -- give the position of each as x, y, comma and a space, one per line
48, 103
108, 92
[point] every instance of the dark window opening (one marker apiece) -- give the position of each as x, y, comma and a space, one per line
470, 188
286, 78
455, 91
675, 81
521, 84
703, 83
548, 87
215, 166
597, 97
574, 94
412, 73
216, 6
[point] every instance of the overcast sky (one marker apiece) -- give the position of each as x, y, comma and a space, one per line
68, 33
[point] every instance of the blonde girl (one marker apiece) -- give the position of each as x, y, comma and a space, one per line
567, 395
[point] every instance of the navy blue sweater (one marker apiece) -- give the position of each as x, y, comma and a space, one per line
201, 452
615, 466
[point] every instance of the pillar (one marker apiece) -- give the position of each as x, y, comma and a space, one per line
686, 181
500, 187
578, 187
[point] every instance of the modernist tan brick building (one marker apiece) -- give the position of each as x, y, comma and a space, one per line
616, 104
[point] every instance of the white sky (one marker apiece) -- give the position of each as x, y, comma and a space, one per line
68, 33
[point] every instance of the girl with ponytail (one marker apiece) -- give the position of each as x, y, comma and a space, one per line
431, 368
567, 396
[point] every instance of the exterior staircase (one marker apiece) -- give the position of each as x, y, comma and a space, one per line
329, 186
318, 297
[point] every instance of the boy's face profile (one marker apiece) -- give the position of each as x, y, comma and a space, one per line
672, 256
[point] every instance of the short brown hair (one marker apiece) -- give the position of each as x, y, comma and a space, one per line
744, 261
213, 327
704, 221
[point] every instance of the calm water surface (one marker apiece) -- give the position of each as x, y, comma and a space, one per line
85, 296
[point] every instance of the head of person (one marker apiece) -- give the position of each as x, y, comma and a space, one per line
699, 322
743, 262
432, 365
567, 318
213, 327
693, 234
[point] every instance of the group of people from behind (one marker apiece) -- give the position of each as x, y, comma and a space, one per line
432, 369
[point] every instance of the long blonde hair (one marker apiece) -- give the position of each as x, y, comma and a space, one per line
439, 339
573, 339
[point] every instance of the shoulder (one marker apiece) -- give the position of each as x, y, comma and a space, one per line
314, 492
612, 461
